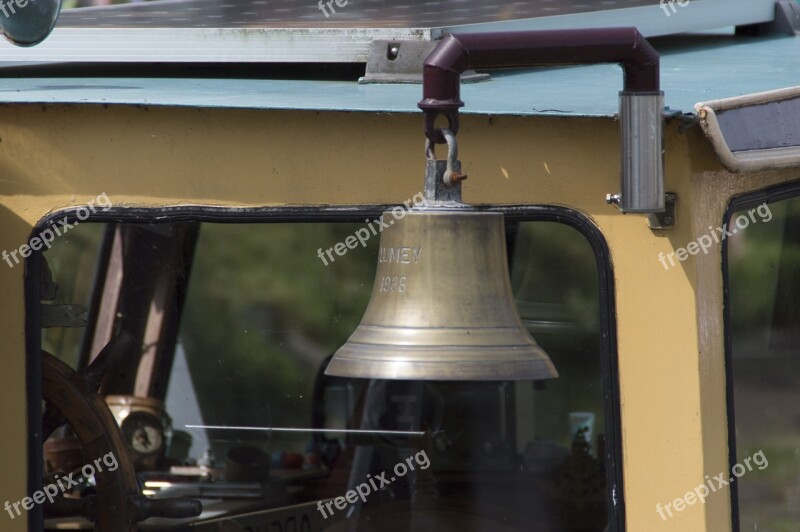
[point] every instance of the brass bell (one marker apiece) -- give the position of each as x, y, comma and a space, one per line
441, 305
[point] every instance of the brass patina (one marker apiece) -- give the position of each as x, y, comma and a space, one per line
441, 306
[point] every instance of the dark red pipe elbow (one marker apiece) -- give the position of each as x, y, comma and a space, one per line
455, 54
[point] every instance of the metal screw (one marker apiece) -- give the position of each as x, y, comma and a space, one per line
455, 177
393, 52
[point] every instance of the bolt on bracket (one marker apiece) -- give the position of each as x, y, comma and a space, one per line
666, 219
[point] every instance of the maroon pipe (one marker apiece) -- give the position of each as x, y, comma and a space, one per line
443, 67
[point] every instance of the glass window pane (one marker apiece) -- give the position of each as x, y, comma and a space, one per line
70, 266
234, 325
764, 328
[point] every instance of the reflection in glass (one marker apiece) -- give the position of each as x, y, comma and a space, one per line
764, 329
243, 319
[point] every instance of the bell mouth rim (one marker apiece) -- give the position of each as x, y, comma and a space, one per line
440, 354
519, 370
507, 362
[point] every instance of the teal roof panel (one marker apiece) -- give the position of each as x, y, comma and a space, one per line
693, 69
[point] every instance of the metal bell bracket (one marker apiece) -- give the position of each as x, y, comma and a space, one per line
443, 178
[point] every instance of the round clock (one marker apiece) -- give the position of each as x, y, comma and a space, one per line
143, 423
143, 432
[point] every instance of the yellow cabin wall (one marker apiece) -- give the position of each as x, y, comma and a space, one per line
669, 323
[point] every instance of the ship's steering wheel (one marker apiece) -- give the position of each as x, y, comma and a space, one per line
71, 398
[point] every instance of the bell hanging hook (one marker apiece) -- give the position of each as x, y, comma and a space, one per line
451, 175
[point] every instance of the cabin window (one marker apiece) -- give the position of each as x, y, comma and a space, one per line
763, 335
222, 398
